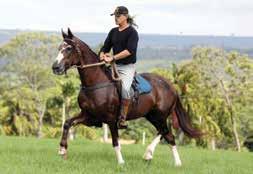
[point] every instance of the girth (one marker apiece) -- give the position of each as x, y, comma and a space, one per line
97, 86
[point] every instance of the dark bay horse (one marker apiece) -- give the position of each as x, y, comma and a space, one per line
99, 100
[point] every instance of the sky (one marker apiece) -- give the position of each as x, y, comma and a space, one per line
186, 17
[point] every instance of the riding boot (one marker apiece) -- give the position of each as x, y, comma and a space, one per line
122, 124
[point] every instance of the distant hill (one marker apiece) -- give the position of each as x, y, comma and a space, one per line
173, 47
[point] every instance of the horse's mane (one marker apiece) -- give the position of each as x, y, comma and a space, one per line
105, 69
89, 49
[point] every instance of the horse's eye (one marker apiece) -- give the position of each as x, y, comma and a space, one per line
69, 48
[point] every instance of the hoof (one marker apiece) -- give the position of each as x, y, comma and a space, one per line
148, 155
121, 162
147, 162
64, 156
62, 151
122, 124
178, 164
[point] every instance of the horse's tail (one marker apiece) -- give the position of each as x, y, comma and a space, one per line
180, 118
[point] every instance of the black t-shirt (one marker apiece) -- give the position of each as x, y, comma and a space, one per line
121, 40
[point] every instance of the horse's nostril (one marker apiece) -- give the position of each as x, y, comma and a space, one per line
58, 68
55, 66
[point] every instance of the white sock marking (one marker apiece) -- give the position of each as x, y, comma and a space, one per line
62, 151
119, 155
176, 156
151, 148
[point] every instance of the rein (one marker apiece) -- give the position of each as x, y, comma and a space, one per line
115, 73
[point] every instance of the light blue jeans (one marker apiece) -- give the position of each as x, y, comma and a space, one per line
126, 73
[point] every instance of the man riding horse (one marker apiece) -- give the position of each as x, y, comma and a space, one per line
99, 100
123, 40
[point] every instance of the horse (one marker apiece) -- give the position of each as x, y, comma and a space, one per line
99, 99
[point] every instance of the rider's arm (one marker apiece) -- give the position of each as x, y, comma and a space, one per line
107, 46
121, 55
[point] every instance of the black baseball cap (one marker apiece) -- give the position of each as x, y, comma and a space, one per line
120, 10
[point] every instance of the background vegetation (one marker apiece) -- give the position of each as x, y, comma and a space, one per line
215, 85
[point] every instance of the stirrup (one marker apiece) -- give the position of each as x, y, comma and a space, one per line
122, 124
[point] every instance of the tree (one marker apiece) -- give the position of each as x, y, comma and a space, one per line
204, 97
69, 96
27, 76
229, 72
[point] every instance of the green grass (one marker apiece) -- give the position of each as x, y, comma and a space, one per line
30, 155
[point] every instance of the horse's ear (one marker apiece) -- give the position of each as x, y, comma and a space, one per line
64, 35
70, 34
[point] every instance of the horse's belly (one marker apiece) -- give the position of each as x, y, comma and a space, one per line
141, 108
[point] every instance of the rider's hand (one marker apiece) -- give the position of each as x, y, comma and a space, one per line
108, 58
102, 56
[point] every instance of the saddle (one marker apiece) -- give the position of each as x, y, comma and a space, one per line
139, 86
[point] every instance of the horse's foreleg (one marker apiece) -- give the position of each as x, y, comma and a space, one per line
116, 144
80, 118
148, 155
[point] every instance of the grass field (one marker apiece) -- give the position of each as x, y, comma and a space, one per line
30, 155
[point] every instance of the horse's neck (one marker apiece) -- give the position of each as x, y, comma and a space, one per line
92, 75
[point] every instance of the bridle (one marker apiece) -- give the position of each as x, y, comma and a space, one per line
115, 73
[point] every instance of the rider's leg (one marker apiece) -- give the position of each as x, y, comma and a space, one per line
126, 73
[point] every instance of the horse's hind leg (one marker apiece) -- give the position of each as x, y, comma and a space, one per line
148, 155
169, 137
80, 118
164, 132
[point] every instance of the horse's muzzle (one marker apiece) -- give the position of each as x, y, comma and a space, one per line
58, 69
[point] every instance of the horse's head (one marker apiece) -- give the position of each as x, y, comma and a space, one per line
69, 54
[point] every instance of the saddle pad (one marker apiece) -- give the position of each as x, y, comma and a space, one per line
141, 84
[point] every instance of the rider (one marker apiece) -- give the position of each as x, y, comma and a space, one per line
123, 40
